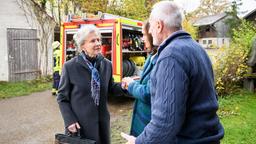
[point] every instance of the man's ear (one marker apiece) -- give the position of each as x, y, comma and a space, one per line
160, 26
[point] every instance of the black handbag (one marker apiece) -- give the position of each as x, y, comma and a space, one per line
72, 139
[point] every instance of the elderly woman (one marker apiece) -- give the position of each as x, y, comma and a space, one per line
85, 83
140, 89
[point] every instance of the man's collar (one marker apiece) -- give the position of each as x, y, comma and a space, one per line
173, 36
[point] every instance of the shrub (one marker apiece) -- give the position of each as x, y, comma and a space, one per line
230, 67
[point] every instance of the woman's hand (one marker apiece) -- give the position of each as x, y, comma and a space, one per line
126, 81
73, 127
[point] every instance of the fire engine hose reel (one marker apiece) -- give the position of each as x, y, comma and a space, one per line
128, 68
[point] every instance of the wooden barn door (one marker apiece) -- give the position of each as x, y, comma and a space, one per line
23, 54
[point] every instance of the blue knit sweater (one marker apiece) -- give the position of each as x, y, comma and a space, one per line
183, 97
142, 105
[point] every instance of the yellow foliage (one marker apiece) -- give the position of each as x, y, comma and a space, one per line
230, 66
187, 26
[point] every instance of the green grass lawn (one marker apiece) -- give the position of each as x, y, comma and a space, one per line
238, 116
9, 89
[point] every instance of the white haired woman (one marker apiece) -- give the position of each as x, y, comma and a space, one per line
85, 83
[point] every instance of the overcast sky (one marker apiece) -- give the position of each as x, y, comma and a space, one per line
190, 5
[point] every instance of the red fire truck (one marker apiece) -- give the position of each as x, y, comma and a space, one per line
121, 42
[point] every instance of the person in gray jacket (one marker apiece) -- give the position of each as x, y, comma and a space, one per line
85, 83
183, 96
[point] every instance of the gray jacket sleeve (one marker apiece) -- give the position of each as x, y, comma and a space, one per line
168, 103
63, 98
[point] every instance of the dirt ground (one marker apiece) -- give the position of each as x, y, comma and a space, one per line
34, 119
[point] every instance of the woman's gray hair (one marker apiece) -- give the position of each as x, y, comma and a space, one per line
168, 12
83, 32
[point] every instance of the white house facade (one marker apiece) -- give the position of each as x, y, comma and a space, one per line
20, 47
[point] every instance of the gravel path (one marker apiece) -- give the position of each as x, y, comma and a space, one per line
34, 119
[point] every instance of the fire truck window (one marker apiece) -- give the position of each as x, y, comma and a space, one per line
71, 49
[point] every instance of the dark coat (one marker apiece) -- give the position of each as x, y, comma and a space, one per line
76, 104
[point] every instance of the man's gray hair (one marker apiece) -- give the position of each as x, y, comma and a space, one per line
168, 12
83, 32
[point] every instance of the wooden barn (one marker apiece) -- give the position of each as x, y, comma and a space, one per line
212, 31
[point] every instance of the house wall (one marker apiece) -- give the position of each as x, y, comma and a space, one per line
3, 55
206, 31
214, 42
11, 17
45, 34
222, 28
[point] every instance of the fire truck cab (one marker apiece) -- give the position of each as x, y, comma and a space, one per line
121, 42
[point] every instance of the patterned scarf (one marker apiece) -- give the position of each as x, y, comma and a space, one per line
95, 80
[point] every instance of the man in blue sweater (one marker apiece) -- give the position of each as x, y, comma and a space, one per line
184, 101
